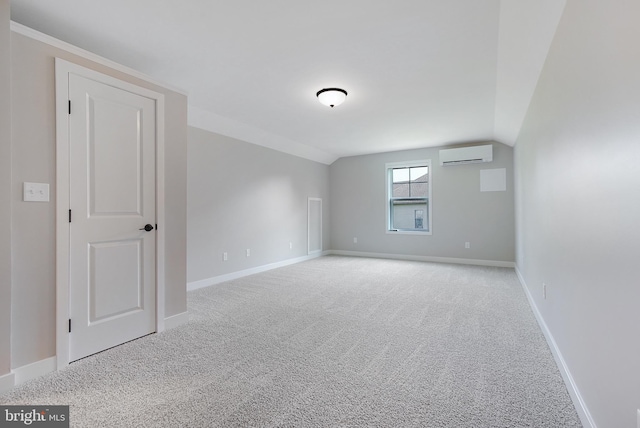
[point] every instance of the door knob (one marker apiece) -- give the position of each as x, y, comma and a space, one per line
147, 228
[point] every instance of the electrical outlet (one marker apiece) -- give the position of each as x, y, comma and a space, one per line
224, 257
355, 240
467, 245
248, 252
291, 245
544, 290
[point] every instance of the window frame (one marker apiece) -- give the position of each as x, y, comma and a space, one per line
389, 167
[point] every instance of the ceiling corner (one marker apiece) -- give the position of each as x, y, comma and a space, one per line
525, 35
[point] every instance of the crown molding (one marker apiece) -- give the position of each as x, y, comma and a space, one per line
212, 122
57, 43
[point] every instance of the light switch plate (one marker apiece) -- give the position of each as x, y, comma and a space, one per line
36, 192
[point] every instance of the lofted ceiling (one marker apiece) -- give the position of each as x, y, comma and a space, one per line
419, 73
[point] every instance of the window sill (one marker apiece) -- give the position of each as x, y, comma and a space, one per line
408, 232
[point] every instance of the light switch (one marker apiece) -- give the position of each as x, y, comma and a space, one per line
36, 192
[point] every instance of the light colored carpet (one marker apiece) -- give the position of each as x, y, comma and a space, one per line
336, 341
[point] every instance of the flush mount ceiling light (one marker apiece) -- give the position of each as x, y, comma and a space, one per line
331, 96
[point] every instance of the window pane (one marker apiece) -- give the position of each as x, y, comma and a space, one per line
400, 175
419, 174
419, 190
400, 190
409, 215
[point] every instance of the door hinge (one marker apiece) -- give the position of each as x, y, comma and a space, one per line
69, 106
69, 216
69, 325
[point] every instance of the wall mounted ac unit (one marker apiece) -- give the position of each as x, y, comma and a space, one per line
464, 155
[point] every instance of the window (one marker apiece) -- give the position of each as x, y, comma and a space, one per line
409, 197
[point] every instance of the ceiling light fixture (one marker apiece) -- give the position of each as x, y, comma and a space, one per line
331, 96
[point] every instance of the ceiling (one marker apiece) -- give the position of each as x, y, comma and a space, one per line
419, 73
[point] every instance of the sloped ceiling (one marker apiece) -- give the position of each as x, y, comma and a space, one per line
419, 73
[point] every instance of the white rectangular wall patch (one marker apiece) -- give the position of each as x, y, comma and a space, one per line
493, 180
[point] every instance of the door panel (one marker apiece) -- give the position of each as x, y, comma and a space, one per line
116, 283
112, 196
116, 168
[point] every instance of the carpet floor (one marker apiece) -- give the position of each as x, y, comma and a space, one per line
332, 342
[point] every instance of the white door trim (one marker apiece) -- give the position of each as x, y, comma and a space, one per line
62, 70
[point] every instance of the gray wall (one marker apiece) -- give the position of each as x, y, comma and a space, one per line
5, 189
577, 163
33, 159
461, 213
243, 196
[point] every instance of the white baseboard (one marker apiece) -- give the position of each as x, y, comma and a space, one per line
34, 370
176, 320
476, 262
574, 392
7, 381
48, 365
194, 285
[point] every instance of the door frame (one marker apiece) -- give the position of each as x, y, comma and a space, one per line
62, 70
310, 201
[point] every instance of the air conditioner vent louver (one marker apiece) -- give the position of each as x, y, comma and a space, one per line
466, 155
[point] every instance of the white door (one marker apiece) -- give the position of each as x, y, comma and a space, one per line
314, 225
112, 283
